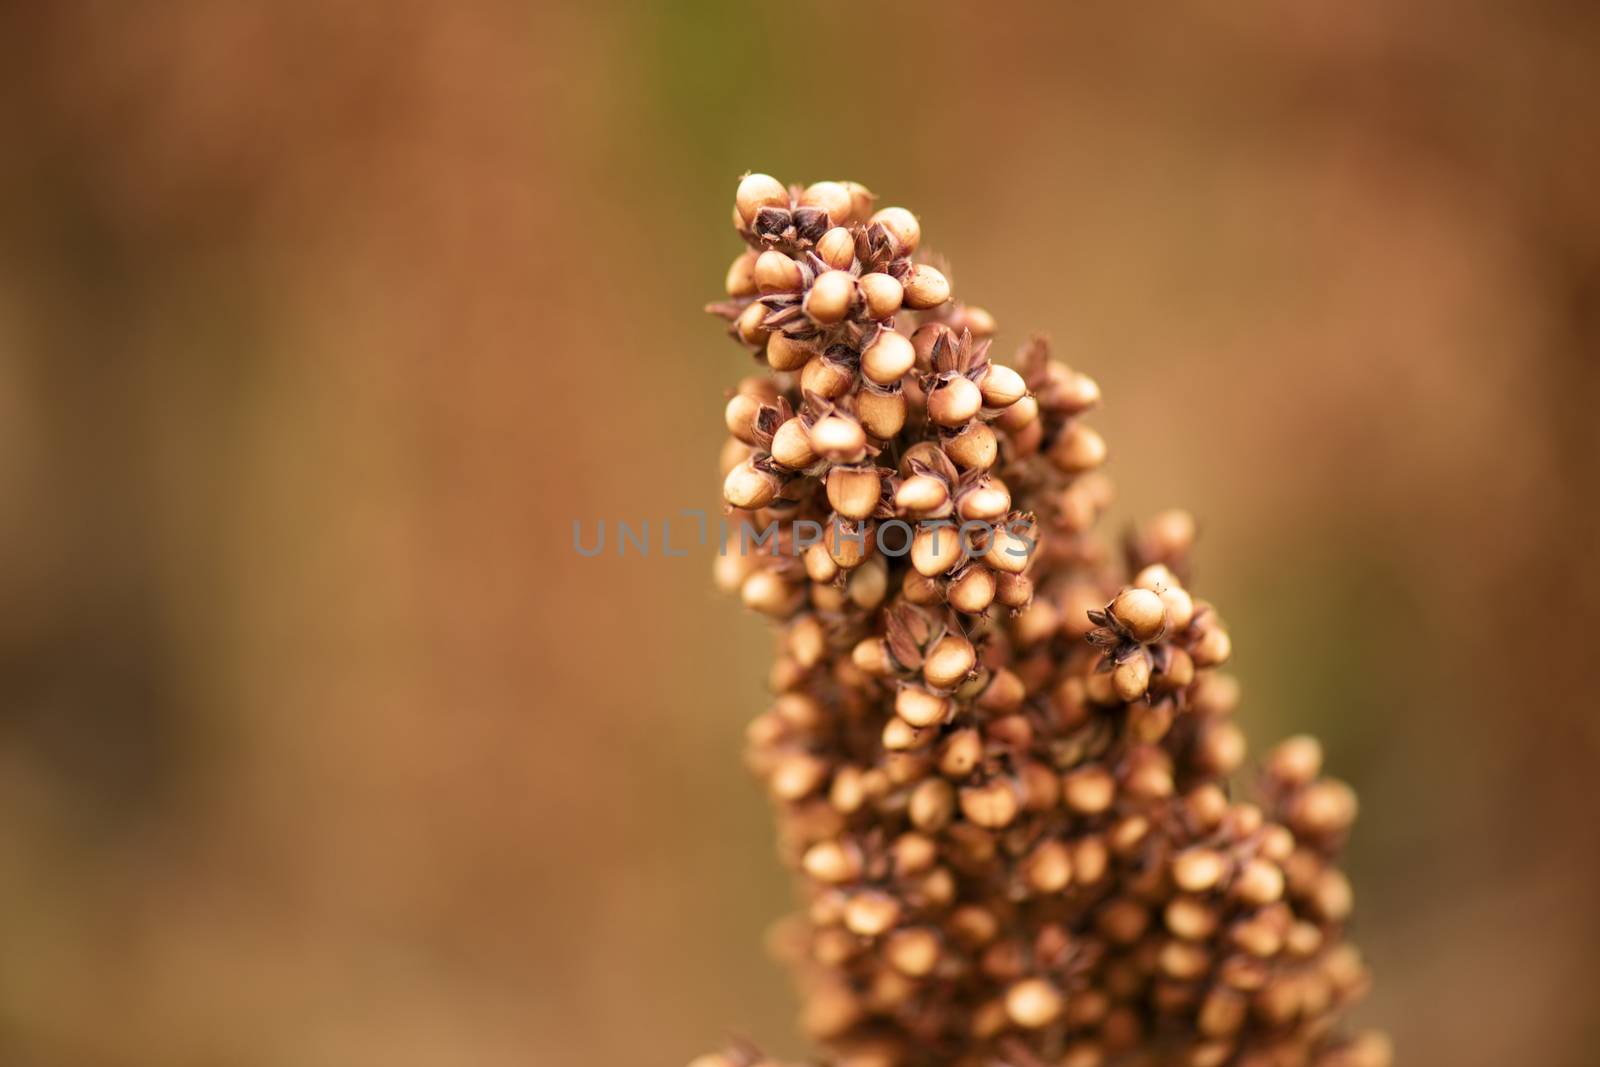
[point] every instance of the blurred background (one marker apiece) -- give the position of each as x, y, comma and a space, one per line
320, 324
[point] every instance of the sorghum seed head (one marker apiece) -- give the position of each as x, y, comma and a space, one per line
1037, 794
748, 486
1033, 1003
1140, 614
830, 297
757, 191
887, 358
925, 287
953, 401
882, 294
1002, 386
832, 197
837, 248
902, 226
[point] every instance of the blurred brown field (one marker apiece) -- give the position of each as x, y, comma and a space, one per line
321, 323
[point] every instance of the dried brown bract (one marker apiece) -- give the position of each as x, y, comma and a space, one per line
1002, 769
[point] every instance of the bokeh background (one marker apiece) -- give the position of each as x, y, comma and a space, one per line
321, 323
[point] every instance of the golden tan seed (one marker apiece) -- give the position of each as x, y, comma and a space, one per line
973, 590
828, 378
1198, 870
1008, 552
1089, 790
785, 354
838, 439
832, 197
1001, 386
871, 912
791, 445
882, 414
757, 191
777, 273
925, 288
830, 297
919, 707
1190, 919
1295, 761
921, 494
748, 325
837, 248
887, 359
1131, 678
740, 416
913, 951
748, 486
974, 448
1140, 613
741, 280
987, 502
1048, 869
949, 661
1033, 1003
992, 806
833, 862
1078, 449
932, 805
853, 491
902, 227
882, 295
935, 549
954, 401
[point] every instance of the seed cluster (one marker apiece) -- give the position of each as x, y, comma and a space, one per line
1002, 773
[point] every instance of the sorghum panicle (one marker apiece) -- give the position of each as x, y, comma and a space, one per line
1001, 764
